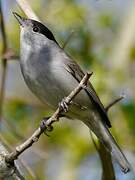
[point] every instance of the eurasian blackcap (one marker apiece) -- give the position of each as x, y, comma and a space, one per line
51, 75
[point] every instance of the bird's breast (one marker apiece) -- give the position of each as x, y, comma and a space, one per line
45, 74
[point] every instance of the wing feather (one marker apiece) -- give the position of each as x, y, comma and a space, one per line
74, 69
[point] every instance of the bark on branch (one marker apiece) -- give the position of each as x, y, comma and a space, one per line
8, 171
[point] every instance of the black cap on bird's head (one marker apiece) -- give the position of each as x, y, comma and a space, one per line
36, 26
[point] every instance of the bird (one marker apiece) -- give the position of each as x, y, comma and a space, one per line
51, 74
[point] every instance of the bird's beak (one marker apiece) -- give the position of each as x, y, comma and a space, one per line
20, 19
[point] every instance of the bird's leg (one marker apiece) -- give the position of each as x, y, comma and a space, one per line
63, 105
45, 127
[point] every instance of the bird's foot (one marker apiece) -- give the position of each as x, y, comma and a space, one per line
63, 105
44, 127
125, 170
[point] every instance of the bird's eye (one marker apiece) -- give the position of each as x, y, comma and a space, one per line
35, 29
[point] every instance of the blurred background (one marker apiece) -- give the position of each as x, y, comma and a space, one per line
103, 41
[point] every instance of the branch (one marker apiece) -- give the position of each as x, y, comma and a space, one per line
68, 39
54, 118
113, 103
8, 172
10, 55
4, 61
24, 5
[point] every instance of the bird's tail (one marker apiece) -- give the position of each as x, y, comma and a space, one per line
104, 135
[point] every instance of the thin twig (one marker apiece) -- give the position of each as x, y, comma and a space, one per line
10, 55
17, 175
5, 142
113, 103
68, 39
4, 61
54, 118
28, 169
27, 9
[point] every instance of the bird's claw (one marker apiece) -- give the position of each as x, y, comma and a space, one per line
44, 127
63, 105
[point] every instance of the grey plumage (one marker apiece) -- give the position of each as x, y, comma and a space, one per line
51, 75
